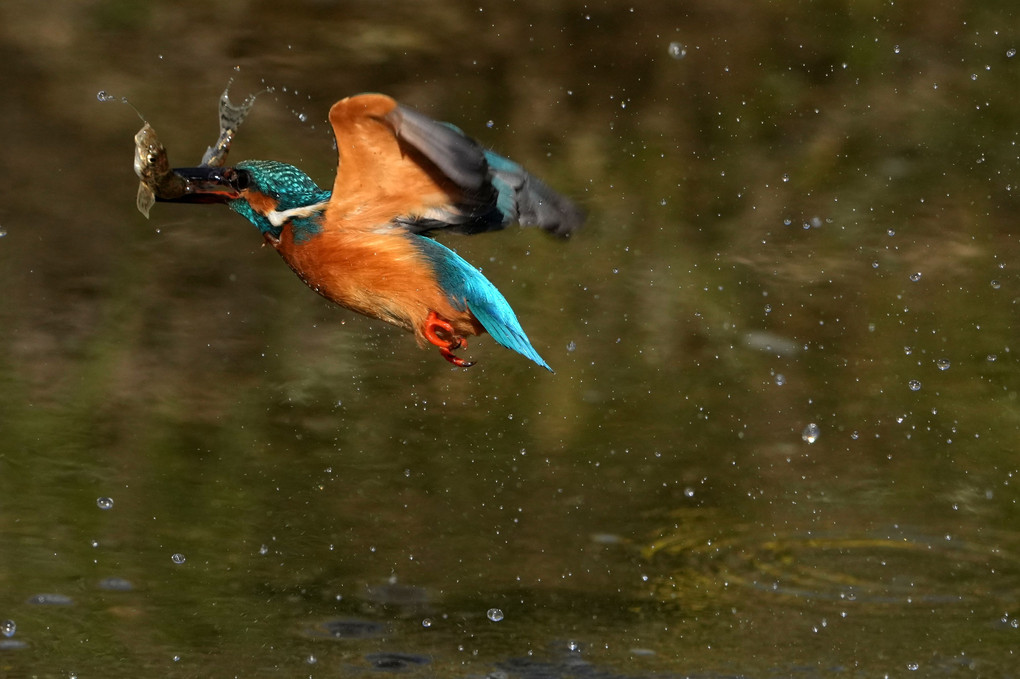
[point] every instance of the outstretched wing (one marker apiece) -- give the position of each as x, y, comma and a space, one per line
428, 175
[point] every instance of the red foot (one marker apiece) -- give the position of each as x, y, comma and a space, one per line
446, 346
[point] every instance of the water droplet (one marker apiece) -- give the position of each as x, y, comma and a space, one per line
1011, 52
104, 96
992, 358
677, 50
780, 379
874, 265
311, 660
426, 623
263, 550
916, 276
913, 666
689, 492
302, 117
8, 628
178, 558
915, 385
105, 503
942, 364
855, 435
811, 433
573, 646
896, 49
768, 308
786, 178
490, 124
494, 614
996, 285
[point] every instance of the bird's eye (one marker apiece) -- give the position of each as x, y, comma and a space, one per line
241, 179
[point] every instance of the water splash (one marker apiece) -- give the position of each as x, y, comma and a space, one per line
811, 433
677, 50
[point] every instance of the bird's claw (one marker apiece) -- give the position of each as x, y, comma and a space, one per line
433, 324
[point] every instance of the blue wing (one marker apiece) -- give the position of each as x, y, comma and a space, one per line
467, 287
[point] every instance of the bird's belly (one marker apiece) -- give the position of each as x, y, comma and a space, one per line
385, 278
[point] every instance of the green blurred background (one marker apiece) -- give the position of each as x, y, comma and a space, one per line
799, 213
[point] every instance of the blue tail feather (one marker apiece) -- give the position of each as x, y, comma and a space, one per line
467, 288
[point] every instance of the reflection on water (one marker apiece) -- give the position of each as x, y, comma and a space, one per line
781, 436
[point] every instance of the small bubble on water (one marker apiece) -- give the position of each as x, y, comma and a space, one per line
426, 623
263, 550
1011, 52
8, 628
3, 232
855, 435
103, 95
780, 380
494, 614
916, 276
996, 285
105, 503
571, 346
311, 660
915, 385
896, 49
677, 50
913, 666
688, 492
573, 646
992, 358
942, 364
786, 178
811, 433
178, 558
490, 124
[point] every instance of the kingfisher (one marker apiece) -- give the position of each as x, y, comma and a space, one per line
367, 245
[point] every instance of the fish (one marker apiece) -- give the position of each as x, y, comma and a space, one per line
157, 180
152, 165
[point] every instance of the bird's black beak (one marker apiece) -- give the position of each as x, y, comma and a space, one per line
207, 185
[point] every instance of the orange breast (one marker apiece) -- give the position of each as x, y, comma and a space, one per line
379, 274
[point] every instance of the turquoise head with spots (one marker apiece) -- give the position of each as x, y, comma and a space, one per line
286, 188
